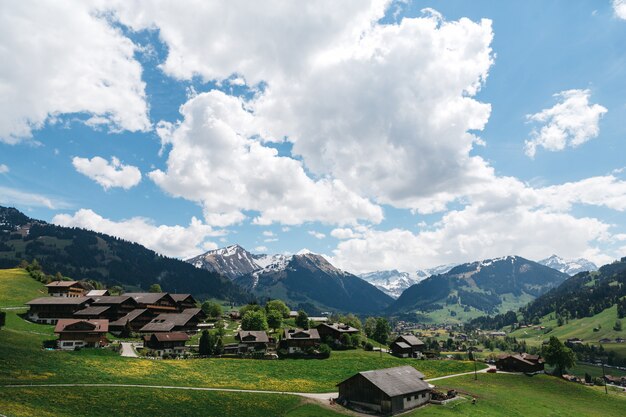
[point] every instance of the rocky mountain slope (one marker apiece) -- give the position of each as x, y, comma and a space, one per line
394, 282
568, 266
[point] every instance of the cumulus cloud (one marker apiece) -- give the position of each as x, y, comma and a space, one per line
11, 196
619, 6
4, 169
108, 174
571, 122
316, 234
174, 241
64, 57
216, 160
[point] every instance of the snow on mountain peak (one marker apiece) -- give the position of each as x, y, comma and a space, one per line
568, 266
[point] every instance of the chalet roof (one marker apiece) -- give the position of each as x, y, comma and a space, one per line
182, 297
258, 336
301, 334
78, 326
170, 337
59, 301
113, 300
129, 317
98, 293
403, 345
340, 327
166, 322
148, 297
63, 284
92, 311
410, 340
401, 380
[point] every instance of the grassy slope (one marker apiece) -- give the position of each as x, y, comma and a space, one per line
581, 328
17, 287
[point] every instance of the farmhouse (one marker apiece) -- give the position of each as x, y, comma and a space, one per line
521, 362
334, 331
49, 310
75, 333
136, 319
119, 305
98, 293
187, 321
407, 346
166, 343
251, 341
386, 391
159, 302
184, 301
66, 289
93, 312
296, 340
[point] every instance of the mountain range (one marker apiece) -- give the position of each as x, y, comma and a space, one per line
489, 286
394, 282
569, 266
304, 280
84, 254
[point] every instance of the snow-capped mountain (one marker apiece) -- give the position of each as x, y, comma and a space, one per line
233, 261
568, 266
393, 282
390, 282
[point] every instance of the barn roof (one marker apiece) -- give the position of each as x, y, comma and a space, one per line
397, 381
59, 301
411, 340
92, 311
63, 284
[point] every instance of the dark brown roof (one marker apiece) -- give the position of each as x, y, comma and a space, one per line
113, 300
92, 311
402, 345
59, 301
301, 334
98, 293
171, 337
148, 297
165, 322
78, 325
411, 340
340, 327
63, 284
401, 380
129, 317
258, 336
182, 297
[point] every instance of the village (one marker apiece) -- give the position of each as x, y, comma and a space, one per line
159, 325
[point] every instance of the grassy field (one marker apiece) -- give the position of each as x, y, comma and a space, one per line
96, 401
581, 328
17, 287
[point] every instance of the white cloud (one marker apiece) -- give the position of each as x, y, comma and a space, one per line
4, 169
344, 233
63, 57
175, 241
260, 249
316, 234
11, 196
268, 233
571, 122
216, 161
108, 174
619, 6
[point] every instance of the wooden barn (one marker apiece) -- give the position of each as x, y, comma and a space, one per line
522, 362
385, 391
407, 346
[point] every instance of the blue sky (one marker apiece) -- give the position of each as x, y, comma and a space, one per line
369, 110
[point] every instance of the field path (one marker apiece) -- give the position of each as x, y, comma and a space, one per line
128, 350
482, 371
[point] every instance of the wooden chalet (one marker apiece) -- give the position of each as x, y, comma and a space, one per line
187, 321
296, 340
172, 343
119, 305
334, 331
49, 310
159, 302
93, 312
407, 346
75, 333
252, 341
184, 301
66, 289
136, 318
520, 362
385, 391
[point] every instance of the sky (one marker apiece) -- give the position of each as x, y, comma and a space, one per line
384, 135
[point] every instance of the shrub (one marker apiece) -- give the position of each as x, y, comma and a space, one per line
369, 346
324, 350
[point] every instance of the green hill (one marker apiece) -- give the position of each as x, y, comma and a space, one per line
17, 287
83, 254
